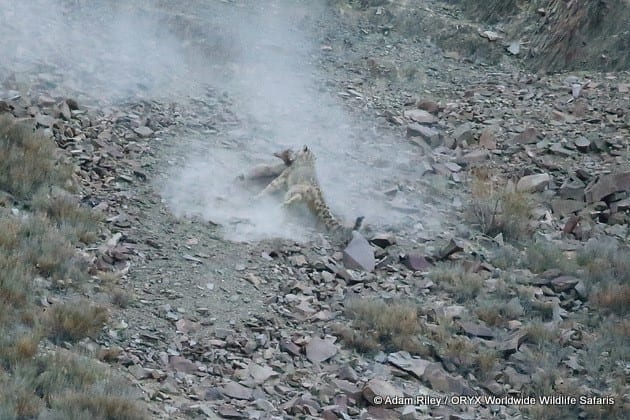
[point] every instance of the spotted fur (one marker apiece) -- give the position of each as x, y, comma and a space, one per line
299, 181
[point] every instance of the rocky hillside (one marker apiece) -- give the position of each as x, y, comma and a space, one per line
492, 278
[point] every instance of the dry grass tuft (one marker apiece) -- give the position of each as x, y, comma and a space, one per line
91, 406
464, 285
121, 297
544, 255
64, 210
18, 349
41, 242
378, 325
541, 334
497, 313
74, 321
495, 209
615, 297
607, 265
27, 160
45, 248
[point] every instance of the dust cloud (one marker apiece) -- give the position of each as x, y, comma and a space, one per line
284, 101
110, 50
260, 55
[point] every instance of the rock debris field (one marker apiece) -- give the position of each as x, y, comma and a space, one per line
494, 262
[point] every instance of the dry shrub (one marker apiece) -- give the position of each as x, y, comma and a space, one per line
543, 255
605, 259
94, 406
27, 160
10, 227
607, 264
615, 297
15, 282
497, 313
62, 372
18, 349
378, 325
494, 208
75, 320
121, 297
541, 334
45, 248
453, 278
64, 210
486, 361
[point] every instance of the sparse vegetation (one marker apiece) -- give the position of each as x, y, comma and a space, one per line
463, 284
378, 325
72, 219
40, 240
121, 297
27, 161
607, 265
497, 312
495, 209
544, 255
75, 320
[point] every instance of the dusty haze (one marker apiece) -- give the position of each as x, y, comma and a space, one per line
262, 57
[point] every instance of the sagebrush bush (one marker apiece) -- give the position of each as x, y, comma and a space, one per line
494, 208
73, 321
39, 242
464, 285
28, 160
378, 325
76, 222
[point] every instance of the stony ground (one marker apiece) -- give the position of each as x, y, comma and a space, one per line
209, 327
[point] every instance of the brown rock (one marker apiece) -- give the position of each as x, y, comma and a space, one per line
564, 283
476, 329
606, 185
440, 380
532, 183
381, 388
420, 116
319, 350
487, 140
417, 262
236, 391
290, 347
359, 254
529, 136
430, 106
406, 362
571, 224
181, 364
476, 156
